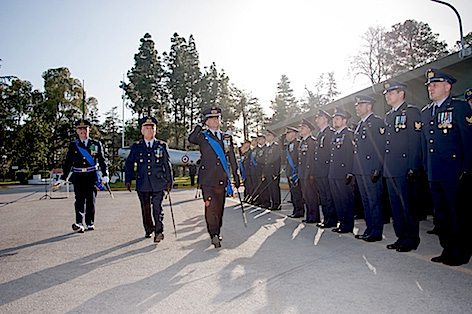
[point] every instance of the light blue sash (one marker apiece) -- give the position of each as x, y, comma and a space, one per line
215, 145
294, 176
91, 161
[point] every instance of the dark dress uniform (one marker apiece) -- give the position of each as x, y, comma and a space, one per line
245, 168
154, 175
212, 176
84, 176
251, 175
322, 157
272, 173
342, 189
402, 160
447, 157
261, 193
367, 167
291, 149
306, 173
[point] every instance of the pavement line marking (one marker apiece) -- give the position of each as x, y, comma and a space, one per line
318, 235
297, 230
262, 214
369, 265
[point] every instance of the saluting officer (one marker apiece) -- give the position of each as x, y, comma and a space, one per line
340, 171
447, 155
272, 170
369, 146
306, 172
217, 163
154, 175
84, 158
402, 163
322, 157
291, 170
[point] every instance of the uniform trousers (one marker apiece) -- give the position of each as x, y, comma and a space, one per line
147, 200
371, 195
214, 198
311, 198
330, 218
85, 195
297, 198
274, 193
343, 196
405, 221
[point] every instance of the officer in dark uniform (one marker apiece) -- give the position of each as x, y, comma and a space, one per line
447, 156
272, 170
192, 171
369, 146
340, 171
468, 96
154, 175
322, 157
245, 165
291, 170
402, 163
261, 193
84, 158
251, 175
217, 163
306, 172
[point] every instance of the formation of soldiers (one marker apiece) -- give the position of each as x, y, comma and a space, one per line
377, 158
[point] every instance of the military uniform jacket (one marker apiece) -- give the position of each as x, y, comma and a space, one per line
211, 172
323, 152
369, 146
260, 154
246, 161
154, 173
75, 159
446, 141
292, 148
306, 157
272, 161
402, 141
342, 154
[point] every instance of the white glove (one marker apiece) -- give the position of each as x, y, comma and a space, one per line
105, 180
56, 186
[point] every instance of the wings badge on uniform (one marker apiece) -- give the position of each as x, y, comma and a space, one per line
469, 119
382, 130
418, 125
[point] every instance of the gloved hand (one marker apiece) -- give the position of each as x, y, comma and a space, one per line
349, 178
128, 186
375, 176
105, 180
169, 186
410, 175
237, 182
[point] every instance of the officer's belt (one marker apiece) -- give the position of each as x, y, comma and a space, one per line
82, 170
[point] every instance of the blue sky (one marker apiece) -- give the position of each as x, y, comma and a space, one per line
254, 41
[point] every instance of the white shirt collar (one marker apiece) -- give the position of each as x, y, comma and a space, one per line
322, 130
151, 141
340, 130
439, 103
367, 117
396, 107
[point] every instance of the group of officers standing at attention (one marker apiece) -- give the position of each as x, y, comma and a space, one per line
397, 151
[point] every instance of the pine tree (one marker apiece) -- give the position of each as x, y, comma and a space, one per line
285, 105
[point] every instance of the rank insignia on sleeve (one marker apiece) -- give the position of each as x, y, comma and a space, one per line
382, 130
417, 125
469, 119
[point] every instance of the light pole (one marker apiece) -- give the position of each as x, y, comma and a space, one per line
465, 51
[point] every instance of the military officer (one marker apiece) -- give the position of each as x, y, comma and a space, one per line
447, 156
322, 157
402, 162
84, 158
245, 165
468, 96
272, 170
251, 171
340, 171
369, 146
306, 172
291, 170
261, 193
218, 161
154, 175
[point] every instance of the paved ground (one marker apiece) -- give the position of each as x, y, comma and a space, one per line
275, 265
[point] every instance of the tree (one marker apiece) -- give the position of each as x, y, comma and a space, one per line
372, 59
412, 44
326, 91
251, 113
146, 89
284, 105
112, 131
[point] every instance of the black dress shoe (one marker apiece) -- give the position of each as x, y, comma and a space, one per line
433, 231
403, 248
339, 230
215, 240
392, 246
147, 235
158, 237
275, 208
437, 259
360, 236
295, 216
335, 229
309, 221
372, 239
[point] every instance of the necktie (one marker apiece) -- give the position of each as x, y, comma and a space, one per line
149, 145
85, 143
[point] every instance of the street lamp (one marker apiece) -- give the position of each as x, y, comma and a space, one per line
465, 51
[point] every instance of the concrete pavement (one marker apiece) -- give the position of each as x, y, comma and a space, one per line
275, 265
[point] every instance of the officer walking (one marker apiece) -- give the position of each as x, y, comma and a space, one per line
272, 170
306, 172
84, 158
217, 163
322, 157
367, 166
291, 170
340, 171
154, 175
447, 156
